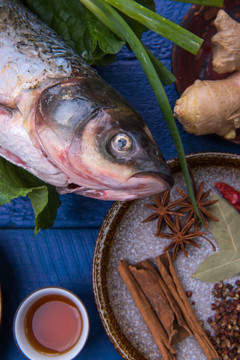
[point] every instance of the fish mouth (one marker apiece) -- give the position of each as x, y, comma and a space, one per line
163, 178
138, 186
145, 184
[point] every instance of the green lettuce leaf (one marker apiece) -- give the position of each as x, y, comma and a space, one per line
15, 182
82, 30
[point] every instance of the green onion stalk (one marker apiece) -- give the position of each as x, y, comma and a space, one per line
158, 24
105, 11
203, 2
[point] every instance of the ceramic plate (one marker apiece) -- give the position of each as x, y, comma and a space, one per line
124, 236
199, 20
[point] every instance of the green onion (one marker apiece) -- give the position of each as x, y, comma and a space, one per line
203, 2
159, 24
113, 20
164, 74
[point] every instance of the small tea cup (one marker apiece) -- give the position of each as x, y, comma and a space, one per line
34, 309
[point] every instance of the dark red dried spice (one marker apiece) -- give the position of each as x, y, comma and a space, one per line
229, 193
226, 321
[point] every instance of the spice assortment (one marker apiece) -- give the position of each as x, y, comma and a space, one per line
135, 240
226, 321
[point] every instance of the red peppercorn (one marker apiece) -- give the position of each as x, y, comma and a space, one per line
226, 321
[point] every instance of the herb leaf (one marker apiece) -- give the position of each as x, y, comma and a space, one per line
82, 30
226, 232
45, 202
15, 182
79, 28
219, 266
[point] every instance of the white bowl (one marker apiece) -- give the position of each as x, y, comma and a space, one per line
19, 330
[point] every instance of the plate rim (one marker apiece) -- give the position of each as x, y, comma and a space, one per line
105, 237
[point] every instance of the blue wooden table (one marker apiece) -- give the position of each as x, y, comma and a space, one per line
62, 256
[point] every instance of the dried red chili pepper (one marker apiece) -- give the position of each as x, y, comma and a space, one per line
229, 193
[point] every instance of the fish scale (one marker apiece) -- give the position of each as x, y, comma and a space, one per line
35, 50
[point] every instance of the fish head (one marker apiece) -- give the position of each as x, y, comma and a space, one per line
99, 141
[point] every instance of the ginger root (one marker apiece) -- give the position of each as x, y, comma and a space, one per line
213, 106
226, 44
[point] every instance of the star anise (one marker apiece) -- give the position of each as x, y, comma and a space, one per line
181, 236
202, 204
163, 209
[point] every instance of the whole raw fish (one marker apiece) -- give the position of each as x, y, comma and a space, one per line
60, 121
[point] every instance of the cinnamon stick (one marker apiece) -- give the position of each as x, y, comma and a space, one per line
158, 333
169, 274
161, 301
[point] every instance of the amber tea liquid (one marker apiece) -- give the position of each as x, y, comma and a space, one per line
53, 324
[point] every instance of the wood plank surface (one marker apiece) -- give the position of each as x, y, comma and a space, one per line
52, 258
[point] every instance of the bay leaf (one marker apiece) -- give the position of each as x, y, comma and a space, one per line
219, 266
226, 231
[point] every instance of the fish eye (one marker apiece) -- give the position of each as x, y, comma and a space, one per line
121, 143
